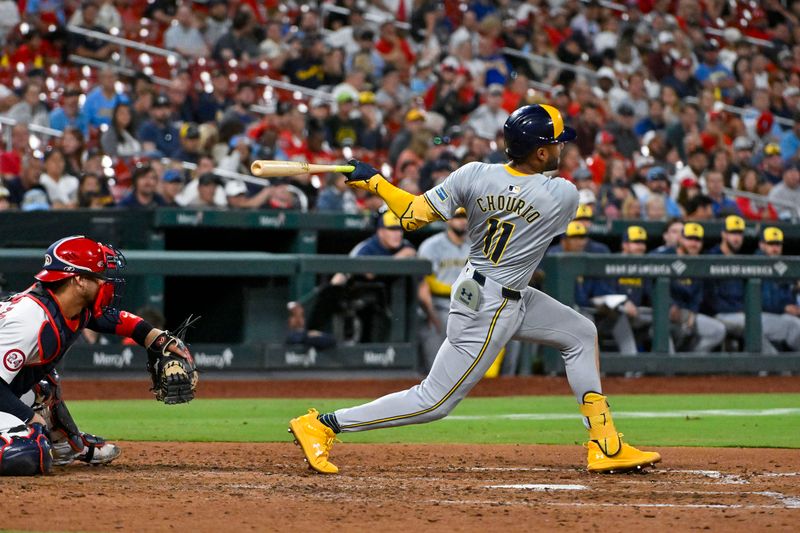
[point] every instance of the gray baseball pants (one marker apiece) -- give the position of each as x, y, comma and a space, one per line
474, 338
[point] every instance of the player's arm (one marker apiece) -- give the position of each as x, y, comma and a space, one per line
19, 338
438, 287
413, 211
127, 324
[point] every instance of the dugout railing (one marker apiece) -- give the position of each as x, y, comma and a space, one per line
562, 270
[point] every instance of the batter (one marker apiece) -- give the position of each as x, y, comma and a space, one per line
513, 212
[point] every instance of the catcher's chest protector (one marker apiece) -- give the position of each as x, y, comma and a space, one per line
55, 339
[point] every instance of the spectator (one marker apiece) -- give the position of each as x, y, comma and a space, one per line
786, 195
189, 150
239, 112
171, 185
73, 148
183, 35
655, 207
31, 109
752, 208
720, 203
790, 141
61, 188
658, 183
108, 16
237, 43
692, 330
393, 48
101, 101
9, 18
342, 129
699, 208
451, 96
725, 297
448, 252
698, 164
157, 134
217, 22
28, 178
600, 161
742, 154
239, 156
143, 195
688, 124
489, 117
414, 122
239, 198
118, 139
70, 113
190, 195
671, 236
772, 164
91, 47
337, 196
307, 68
93, 192
45, 12
212, 104
712, 73
780, 312
654, 121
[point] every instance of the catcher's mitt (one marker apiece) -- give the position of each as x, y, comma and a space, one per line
174, 377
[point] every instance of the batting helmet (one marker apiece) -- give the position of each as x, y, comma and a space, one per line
79, 255
532, 126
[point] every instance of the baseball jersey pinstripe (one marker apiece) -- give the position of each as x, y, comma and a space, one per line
512, 216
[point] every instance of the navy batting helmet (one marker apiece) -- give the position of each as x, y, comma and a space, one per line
532, 126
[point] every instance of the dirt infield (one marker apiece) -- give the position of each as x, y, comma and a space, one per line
263, 487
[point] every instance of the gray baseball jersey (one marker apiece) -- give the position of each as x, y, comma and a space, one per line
447, 258
512, 217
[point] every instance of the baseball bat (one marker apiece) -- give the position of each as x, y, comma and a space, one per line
264, 168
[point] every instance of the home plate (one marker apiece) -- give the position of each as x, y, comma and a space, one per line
539, 487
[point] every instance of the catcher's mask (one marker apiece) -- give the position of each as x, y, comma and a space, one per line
81, 256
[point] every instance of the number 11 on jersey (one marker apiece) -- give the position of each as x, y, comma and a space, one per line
495, 242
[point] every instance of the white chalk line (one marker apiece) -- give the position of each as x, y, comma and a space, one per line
612, 504
539, 487
784, 411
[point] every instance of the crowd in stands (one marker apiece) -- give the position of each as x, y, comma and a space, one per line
415, 87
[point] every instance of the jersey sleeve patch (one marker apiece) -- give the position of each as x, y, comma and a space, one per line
441, 193
13, 360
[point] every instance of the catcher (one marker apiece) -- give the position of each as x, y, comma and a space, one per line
79, 287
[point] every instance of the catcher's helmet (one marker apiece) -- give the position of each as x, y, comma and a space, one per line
81, 256
532, 126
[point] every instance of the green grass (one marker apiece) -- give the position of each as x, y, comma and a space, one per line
265, 420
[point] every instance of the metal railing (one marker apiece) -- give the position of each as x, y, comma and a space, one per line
279, 84
793, 209
577, 69
739, 110
127, 43
119, 69
33, 128
370, 16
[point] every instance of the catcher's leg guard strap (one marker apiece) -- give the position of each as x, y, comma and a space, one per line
601, 426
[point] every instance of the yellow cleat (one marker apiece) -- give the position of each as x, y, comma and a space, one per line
626, 459
316, 439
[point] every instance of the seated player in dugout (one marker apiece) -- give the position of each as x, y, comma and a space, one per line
691, 330
513, 212
584, 215
724, 298
78, 287
780, 304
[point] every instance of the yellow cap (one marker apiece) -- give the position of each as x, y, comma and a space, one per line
772, 235
366, 97
635, 234
734, 224
415, 114
389, 220
576, 229
693, 230
584, 212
